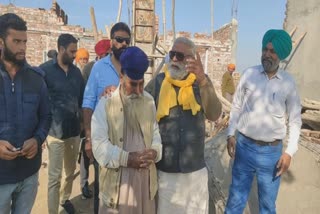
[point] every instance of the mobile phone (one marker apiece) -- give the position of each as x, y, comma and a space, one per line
16, 149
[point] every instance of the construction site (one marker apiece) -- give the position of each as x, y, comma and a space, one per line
300, 187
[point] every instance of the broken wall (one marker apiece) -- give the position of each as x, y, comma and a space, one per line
305, 15
44, 28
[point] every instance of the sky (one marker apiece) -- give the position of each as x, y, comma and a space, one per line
254, 17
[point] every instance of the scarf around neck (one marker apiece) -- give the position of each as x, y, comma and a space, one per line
168, 96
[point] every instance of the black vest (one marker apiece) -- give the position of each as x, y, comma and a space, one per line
182, 136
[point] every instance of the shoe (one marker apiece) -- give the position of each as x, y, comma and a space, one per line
68, 207
86, 192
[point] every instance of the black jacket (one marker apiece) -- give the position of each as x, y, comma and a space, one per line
66, 94
24, 114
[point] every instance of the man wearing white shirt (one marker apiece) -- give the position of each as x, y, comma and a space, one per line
265, 100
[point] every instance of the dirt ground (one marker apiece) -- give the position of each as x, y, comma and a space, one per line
81, 206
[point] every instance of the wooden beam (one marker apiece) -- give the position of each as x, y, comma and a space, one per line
312, 119
308, 104
293, 31
94, 24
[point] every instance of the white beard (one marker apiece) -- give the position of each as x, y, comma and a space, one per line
133, 108
177, 71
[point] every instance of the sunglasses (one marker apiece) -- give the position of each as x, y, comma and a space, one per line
121, 40
179, 56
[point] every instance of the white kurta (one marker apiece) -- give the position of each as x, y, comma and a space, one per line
183, 193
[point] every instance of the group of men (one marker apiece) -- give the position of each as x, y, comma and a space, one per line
146, 143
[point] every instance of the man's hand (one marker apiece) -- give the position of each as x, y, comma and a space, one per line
108, 91
148, 157
7, 151
283, 164
231, 146
195, 66
88, 148
30, 148
134, 160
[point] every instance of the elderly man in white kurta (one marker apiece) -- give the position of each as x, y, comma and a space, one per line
126, 141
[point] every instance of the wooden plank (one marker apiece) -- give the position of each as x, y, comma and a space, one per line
312, 119
309, 104
293, 31
310, 133
295, 46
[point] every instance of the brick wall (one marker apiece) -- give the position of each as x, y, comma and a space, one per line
44, 28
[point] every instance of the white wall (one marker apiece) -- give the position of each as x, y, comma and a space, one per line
305, 62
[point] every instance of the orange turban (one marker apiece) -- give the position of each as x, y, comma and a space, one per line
82, 53
231, 66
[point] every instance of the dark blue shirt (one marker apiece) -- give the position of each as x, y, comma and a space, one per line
24, 114
66, 94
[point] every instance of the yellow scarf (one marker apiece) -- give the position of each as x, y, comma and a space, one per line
168, 97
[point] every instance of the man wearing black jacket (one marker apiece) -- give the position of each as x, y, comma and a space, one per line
65, 86
24, 119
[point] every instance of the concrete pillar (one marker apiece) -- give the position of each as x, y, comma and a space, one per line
234, 40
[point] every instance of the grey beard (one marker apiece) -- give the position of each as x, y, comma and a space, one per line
177, 74
269, 65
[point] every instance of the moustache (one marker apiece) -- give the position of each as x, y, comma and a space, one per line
176, 66
134, 96
265, 60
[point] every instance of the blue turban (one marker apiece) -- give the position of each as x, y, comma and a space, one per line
134, 62
281, 42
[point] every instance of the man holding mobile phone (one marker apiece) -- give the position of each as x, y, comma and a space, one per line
16, 149
24, 119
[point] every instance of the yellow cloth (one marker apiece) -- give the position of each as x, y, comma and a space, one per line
168, 96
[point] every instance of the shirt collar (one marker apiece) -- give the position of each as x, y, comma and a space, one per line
278, 75
71, 66
107, 59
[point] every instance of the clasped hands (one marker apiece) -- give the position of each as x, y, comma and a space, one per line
141, 159
9, 152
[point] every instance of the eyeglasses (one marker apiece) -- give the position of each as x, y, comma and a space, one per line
179, 56
121, 40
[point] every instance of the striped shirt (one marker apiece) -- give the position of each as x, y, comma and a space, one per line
262, 107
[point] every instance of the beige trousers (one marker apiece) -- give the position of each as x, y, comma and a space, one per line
62, 153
